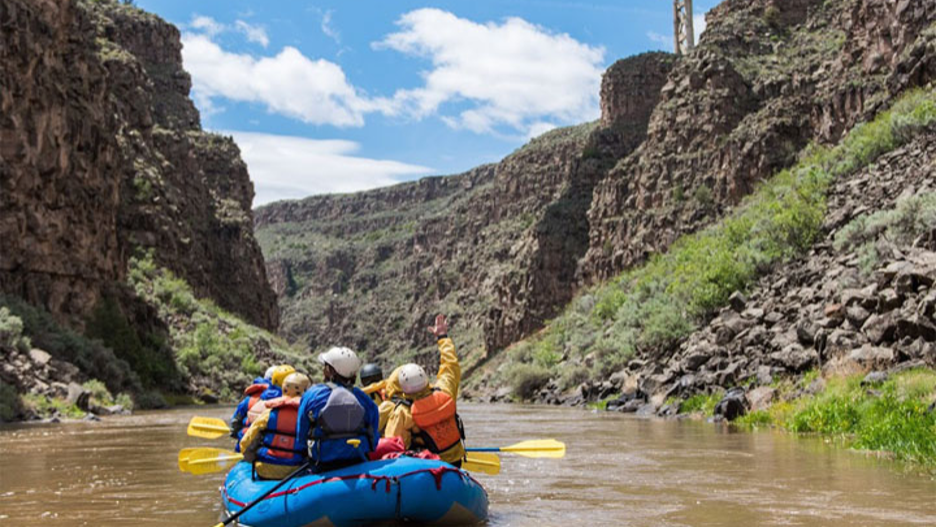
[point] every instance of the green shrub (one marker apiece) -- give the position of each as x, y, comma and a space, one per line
650, 307
91, 357
150, 400
11, 331
148, 356
703, 197
772, 17
894, 418
700, 403
99, 394
11, 406
756, 419
527, 379
912, 217
573, 376
48, 407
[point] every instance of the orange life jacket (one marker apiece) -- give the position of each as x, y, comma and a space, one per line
279, 445
438, 422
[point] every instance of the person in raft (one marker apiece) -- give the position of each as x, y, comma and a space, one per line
262, 389
425, 416
380, 390
340, 421
373, 384
270, 443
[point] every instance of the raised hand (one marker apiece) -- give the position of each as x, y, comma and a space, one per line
441, 327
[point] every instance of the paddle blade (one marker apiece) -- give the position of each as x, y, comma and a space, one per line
208, 428
184, 458
209, 460
485, 462
539, 448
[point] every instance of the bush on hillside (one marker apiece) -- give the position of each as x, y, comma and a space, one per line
213, 348
11, 406
651, 307
91, 357
11, 331
526, 379
911, 218
149, 356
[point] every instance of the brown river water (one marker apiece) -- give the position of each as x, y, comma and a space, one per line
619, 470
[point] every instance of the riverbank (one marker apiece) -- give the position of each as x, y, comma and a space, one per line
826, 272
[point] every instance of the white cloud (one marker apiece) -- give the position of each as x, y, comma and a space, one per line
253, 33
206, 25
515, 74
289, 83
287, 167
328, 29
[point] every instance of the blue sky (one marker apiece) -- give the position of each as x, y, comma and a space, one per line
342, 96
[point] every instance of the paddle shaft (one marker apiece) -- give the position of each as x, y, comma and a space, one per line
276, 487
493, 449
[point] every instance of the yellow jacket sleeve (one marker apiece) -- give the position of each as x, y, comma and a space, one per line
374, 387
449, 377
400, 424
252, 435
385, 409
392, 384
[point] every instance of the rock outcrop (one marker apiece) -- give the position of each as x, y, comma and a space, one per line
680, 141
768, 77
839, 309
102, 155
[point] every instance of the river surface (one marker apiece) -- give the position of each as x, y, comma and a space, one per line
619, 470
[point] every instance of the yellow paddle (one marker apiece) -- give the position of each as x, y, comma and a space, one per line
184, 457
199, 461
485, 462
208, 428
540, 448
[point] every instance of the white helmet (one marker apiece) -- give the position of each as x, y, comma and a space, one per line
343, 360
413, 378
269, 373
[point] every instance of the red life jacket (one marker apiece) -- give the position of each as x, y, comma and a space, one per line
439, 423
279, 445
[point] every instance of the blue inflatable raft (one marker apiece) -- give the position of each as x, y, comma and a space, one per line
403, 489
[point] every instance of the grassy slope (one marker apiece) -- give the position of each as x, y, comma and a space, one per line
215, 353
648, 309
209, 354
651, 307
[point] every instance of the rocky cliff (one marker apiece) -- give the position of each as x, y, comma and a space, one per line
497, 247
681, 141
768, 78
123, 226
103, 156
